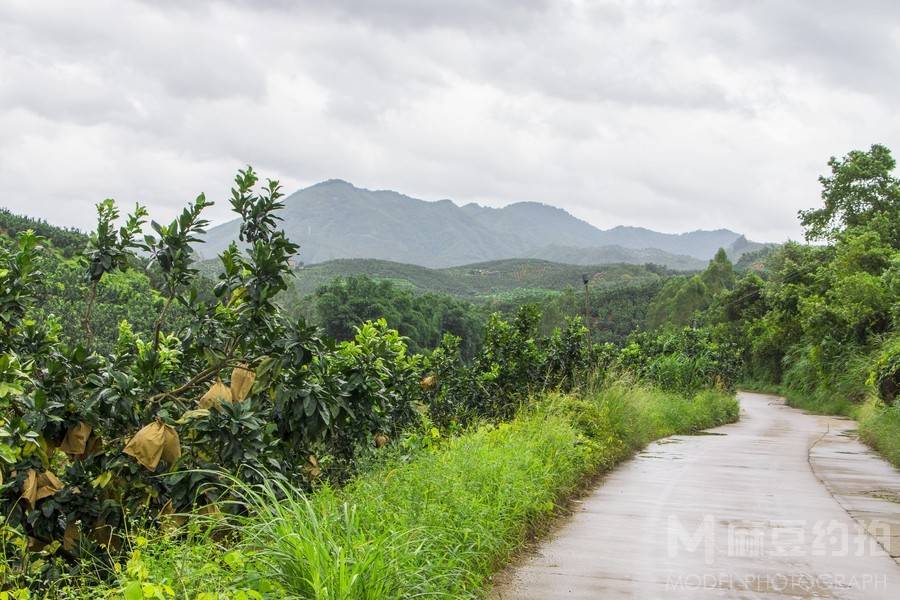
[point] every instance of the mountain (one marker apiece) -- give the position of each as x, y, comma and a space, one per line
742, 246
698, 244
334, 219
529, 221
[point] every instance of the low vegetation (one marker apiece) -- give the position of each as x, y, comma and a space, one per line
435, 517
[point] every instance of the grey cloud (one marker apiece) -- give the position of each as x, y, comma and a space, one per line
133, 48
667, 115
854, 46
405, 16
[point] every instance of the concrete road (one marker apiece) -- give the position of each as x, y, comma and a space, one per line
779, 505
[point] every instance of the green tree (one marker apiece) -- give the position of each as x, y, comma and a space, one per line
344, 304
861, 190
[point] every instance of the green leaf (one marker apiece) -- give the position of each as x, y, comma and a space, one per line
133, 591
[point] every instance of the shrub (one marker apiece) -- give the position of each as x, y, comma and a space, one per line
885, 370
93, 442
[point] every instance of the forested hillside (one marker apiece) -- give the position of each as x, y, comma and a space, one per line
69, 242
480, 280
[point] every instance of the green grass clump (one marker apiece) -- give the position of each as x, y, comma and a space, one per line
433, 525
821, 403
879, 426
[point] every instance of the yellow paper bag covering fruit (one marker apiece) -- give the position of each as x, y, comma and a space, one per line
154, 442
35, 487
217, 393
312, 467
71, 537
76, 439
241, 381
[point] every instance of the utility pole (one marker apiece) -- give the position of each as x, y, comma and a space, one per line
587, 312
587, 298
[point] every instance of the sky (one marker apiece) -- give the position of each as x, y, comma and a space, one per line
669, 115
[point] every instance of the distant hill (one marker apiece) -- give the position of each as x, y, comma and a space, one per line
334, 219
742, 246
480, 280
600, 255
701, 244
68, 241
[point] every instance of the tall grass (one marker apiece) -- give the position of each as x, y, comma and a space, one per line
879, 426
439, 524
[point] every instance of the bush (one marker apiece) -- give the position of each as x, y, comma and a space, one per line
885, 370
685, 360
98, 435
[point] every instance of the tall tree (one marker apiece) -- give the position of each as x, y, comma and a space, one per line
860, 191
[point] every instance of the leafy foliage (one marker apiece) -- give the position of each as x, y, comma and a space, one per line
861, 192
72, 415
344, 304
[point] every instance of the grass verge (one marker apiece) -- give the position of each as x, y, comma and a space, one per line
879, 426
436, 525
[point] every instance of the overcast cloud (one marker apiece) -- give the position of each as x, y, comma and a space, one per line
670, 115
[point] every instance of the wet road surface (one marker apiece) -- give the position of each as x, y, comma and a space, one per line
779, 505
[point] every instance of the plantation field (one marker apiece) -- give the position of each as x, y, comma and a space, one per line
479, 281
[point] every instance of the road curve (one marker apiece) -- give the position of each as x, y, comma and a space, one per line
781, 504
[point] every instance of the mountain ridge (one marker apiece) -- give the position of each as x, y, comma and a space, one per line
334, 219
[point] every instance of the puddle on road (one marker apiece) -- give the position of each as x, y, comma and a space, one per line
663, 455
707, 433
889, 495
